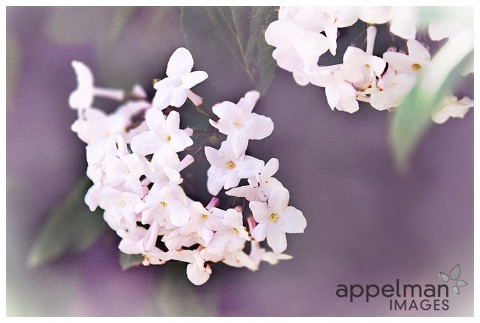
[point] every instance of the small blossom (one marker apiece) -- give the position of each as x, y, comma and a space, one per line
391, 89
275, 219
227, 169
230, 234
261, 185
418, 57
297, 50
165, 205
341, 94
82, 97
162, 131
239, 123
451, 107
175, 88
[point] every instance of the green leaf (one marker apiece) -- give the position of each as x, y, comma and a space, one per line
70, 228
177, 296
128, 261
413, 117
236, 37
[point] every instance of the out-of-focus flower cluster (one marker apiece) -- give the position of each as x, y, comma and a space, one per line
302, 34
134, 165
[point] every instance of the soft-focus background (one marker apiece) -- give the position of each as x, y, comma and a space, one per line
367, 222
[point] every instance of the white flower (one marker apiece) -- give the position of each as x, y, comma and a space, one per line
451, 107
230, 234
361, 68
275, 219
334, 18
197, 271
258, 254
261, 185
163, 131
196, 231
240, 259
119, 207
418, 57
165, 166
239, 123
297, 49
175, 88
390, 90
124, 169
226, 169
82, 97
165, 205
341, 94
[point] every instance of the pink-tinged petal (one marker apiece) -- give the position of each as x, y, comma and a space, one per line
206, 234
301, 78
146, 143
91, 198
287, 58
193, 78
271, 167
179, 96
247, 103
280, 31
276, 239
242, 191
215, 180
416, 50
212, 155
355, 56
258, 126
239, 143
260, 231
260, 211
331, 33
249, 167
333, 95
178, 213
378, 65
225, 109
352, 73
172, 123
82, 97
231, 180
155, 120
196, 275
232, 218
162, 99
180, 63
95, 152
278, 200
292, 220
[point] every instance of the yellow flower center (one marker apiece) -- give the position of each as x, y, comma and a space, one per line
273, 218
237, 124
236, 230
163, 204
230, 165
168, 138
204, 216
416, 67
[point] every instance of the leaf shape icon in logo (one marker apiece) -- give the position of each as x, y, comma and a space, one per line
461, 283
456, 290
455, 272
443, 277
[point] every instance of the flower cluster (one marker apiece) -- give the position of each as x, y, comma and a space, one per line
134, 164
302, 34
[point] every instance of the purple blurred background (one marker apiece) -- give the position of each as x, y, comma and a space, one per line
367, 223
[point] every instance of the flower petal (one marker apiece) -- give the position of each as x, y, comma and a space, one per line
193, 78
292, 220
180, 63
276, 239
